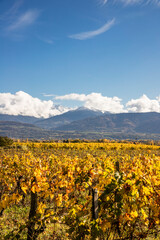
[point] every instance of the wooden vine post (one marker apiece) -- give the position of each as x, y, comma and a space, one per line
32, 214
94, 213
118, 198
94, 210
94, 204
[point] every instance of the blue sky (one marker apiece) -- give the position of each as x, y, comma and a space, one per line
50, 49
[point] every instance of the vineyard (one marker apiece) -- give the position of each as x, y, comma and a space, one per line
78, 191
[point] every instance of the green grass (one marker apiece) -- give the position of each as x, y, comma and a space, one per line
12, 218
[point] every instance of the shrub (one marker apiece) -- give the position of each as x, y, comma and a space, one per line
5, 141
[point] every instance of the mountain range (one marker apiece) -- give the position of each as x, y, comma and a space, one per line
18, 118
123, 122
67, 118
83, 123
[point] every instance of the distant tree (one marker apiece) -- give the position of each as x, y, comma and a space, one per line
5, 141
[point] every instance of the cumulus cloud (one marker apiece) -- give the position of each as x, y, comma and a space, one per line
107, 104
91, 34
144, 104
72, 96
96, 101
22, 103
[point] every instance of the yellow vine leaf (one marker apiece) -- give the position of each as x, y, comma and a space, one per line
144, 215
24, 188
134, 214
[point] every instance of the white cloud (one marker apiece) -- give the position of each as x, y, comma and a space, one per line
144, 104
46, 40
48, 95
133, 2
90, 34
145, 2
157, 2
12, 11
73, 96
103, 2
26, 19
22, 103
49, 41
96, 101
107, 104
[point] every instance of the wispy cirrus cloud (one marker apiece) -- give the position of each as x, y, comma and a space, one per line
12, 11
91, 34
157, 2
46, 40
24, 20
130, 2
144, 2
49, 41
103, 2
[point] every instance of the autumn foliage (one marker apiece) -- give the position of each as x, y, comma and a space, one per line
81, 190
